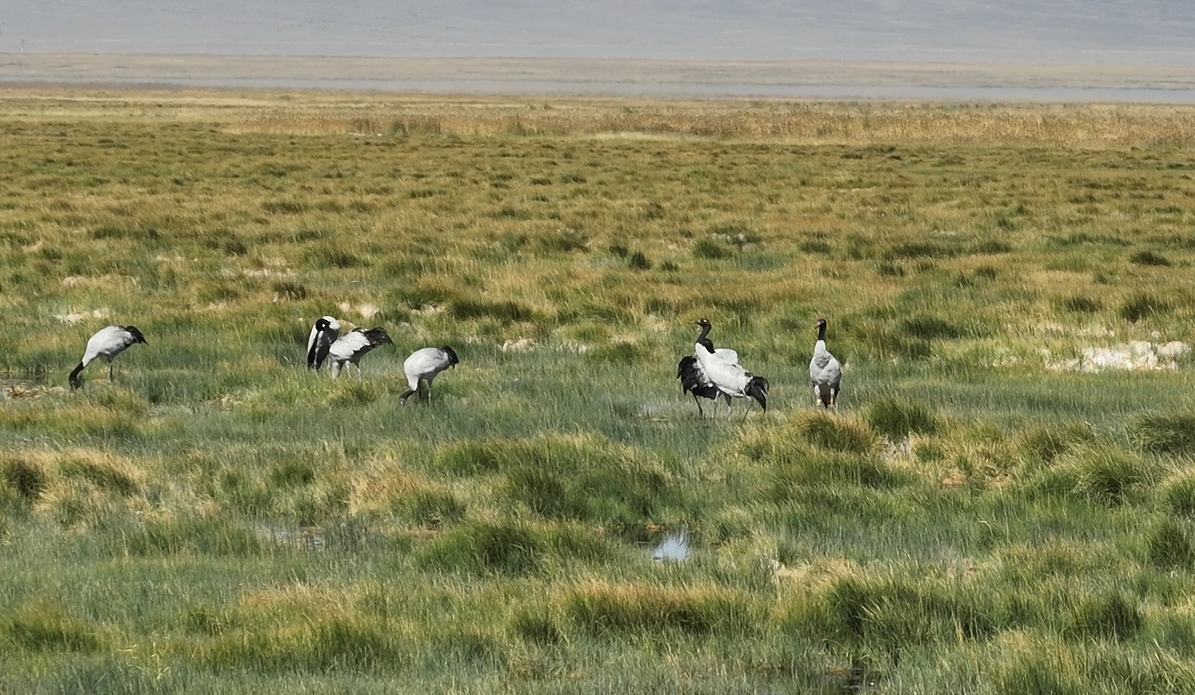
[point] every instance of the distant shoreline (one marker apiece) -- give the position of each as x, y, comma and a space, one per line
833, 80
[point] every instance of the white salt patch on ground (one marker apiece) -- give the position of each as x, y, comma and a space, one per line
74, 318
520, 345
366, 311
1138, 355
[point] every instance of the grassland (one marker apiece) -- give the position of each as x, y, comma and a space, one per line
979, 517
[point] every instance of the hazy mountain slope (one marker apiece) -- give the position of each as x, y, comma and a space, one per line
1146, 31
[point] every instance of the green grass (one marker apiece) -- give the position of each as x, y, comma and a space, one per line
975, 518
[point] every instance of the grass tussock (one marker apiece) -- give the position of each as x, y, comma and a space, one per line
1100, 475
828, 432
1045, 444
212, 537
1169, 546
43, 627
1164, 433
505, 548
896, 420
628, 610
1143, 306
25, 479
578, 478
886, 614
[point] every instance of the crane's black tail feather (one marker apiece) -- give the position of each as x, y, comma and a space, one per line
757, 388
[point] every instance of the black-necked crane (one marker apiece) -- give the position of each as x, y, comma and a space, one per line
352, 346
424, 365
693, 378
731, 378
325, 332
825, 374
107, 343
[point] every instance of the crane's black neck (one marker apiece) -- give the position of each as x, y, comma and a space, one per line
706, 343
703, 338
821, 331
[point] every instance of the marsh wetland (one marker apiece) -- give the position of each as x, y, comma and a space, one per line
990, 510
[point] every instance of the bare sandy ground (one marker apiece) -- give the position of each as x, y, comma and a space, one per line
611, 77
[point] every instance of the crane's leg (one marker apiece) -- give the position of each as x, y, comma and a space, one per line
700, 412
109, 369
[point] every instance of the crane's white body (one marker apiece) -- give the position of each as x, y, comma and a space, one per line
825, 373
727, 355
107, 343
730, 377
324, 333
694, 380
424, 365
352, 346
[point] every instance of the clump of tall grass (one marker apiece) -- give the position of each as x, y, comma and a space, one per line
537, 627
896, 419
324, 645
503, 311
1049, 442
430, 508
891, 614
25, 478
580, 478
102, 477
331, 256
471, 458
1036, 672
1097, 473
1149, 258
501, 548
1113, 616
618, 610
1180, 497
1169, 546
1106, 476
43, 627
1081, 304
708, 248
1164, 433
927, 327
617, 353
1142, 306
797, 475
354, 393
563, 241
213, 537
831, 432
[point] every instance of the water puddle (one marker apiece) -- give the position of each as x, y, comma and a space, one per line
310, 538
859, 677
674, 548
